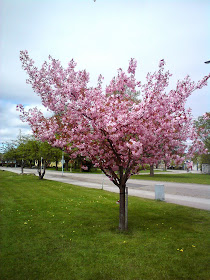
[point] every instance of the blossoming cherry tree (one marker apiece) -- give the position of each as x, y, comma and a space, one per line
113, 129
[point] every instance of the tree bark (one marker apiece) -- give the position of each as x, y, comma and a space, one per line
41, 174
152, 170
66, 165
22, 165
122, 224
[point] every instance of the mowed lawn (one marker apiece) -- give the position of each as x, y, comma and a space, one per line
178, 178
51, 230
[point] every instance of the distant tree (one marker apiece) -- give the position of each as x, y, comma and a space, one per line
203, 129
26, 150
56, 155
33, 149
46, 155
9, 152
202, 125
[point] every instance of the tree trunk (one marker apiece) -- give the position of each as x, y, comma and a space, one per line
66, 165
41, 174
152, 170
70, 165
122, 224
22, 166
56, 165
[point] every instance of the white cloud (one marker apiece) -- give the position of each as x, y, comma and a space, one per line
11, 125
101, 36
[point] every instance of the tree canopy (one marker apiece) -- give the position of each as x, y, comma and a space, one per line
202, 126
26, 150
113, 129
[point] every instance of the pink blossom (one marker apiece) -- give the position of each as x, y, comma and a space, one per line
132, 66
84, 167
114, 130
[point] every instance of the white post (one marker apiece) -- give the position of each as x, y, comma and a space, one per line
159, 192
62, 162
126, 207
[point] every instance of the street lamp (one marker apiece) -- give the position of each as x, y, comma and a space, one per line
207, 62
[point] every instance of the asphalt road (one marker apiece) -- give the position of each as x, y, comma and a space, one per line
193, 195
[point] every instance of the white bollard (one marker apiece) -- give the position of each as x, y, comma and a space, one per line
159, 192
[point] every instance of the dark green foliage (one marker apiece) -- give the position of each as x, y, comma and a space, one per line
26, 150
203, 129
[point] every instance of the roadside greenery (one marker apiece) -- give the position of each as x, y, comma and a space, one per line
28, 152
202, 125
51, 231
178, 178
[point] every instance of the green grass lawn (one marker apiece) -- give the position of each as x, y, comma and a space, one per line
179, 178
98, 171
170, 177
155, 171
93, 170
51, 230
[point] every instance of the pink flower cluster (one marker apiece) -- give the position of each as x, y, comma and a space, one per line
115, 131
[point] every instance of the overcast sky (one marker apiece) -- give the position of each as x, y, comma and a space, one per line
101, 36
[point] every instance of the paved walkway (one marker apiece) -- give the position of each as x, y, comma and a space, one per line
193, 195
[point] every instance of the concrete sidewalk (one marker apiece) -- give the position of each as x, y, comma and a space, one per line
192, 195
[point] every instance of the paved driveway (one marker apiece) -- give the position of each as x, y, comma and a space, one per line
193, 195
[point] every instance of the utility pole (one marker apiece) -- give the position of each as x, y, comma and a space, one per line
62, 161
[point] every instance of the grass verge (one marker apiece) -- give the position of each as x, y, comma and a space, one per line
93, 170
178, 178
98, 171
51, 230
